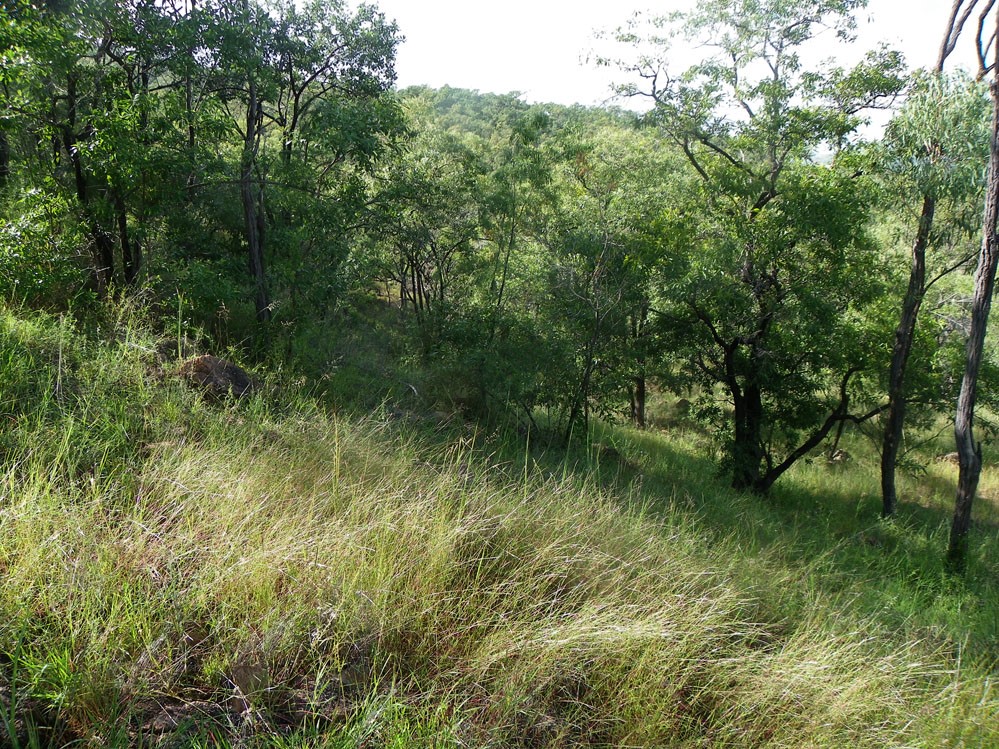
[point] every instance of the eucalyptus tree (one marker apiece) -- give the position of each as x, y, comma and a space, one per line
970, 453
780, 267
931, 155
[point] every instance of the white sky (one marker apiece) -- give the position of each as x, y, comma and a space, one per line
538, 47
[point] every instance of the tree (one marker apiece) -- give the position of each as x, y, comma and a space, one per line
84, 88
932, 153
616, 201
770, 305
308, 82
426, 218
970, 453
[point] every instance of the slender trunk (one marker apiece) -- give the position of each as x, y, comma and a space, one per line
639, 322
189, 114
191, 135
904, 334
503, 275
580, 401
252, 217
970, 453
130, 255
103, 271
638, 402
144, 104
4, 159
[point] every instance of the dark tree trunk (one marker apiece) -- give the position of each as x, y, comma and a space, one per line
639, 331
103, 271
502, 275
747, 448
638, 402
581, 399
970, 453
4, 159
189, 114
130, 255
904, 335
905, 332
252, 214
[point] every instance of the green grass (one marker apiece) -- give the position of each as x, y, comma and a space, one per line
268, 573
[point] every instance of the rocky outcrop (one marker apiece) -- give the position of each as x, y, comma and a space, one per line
217, 377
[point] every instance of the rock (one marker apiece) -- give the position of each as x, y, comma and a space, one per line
217, 377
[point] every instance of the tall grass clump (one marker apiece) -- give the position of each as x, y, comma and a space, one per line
267, 573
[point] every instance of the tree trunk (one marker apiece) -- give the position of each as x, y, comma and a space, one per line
638, 402
252, 216
580, 403
503, 274
969, 453
189, 114
130, 254
904, 335
639, 323
4, 159
103, 271
747, 449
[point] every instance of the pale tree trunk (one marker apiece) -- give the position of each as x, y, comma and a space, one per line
970, 453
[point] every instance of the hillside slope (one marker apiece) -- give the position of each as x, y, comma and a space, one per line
178, 571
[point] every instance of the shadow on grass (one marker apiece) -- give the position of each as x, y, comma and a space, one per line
821, 527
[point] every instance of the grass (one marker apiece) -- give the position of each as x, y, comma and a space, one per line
268, 573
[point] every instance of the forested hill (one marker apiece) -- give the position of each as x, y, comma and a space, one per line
526, 425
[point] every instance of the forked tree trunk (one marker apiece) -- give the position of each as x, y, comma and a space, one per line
970, 453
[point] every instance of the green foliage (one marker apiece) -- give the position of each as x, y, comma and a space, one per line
779, 266
432, 256
937, 142
40, 263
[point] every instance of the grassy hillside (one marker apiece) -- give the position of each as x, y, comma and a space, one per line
181, 572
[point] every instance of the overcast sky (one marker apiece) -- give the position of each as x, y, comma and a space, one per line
539, 47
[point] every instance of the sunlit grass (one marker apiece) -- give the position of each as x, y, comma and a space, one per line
271, 570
